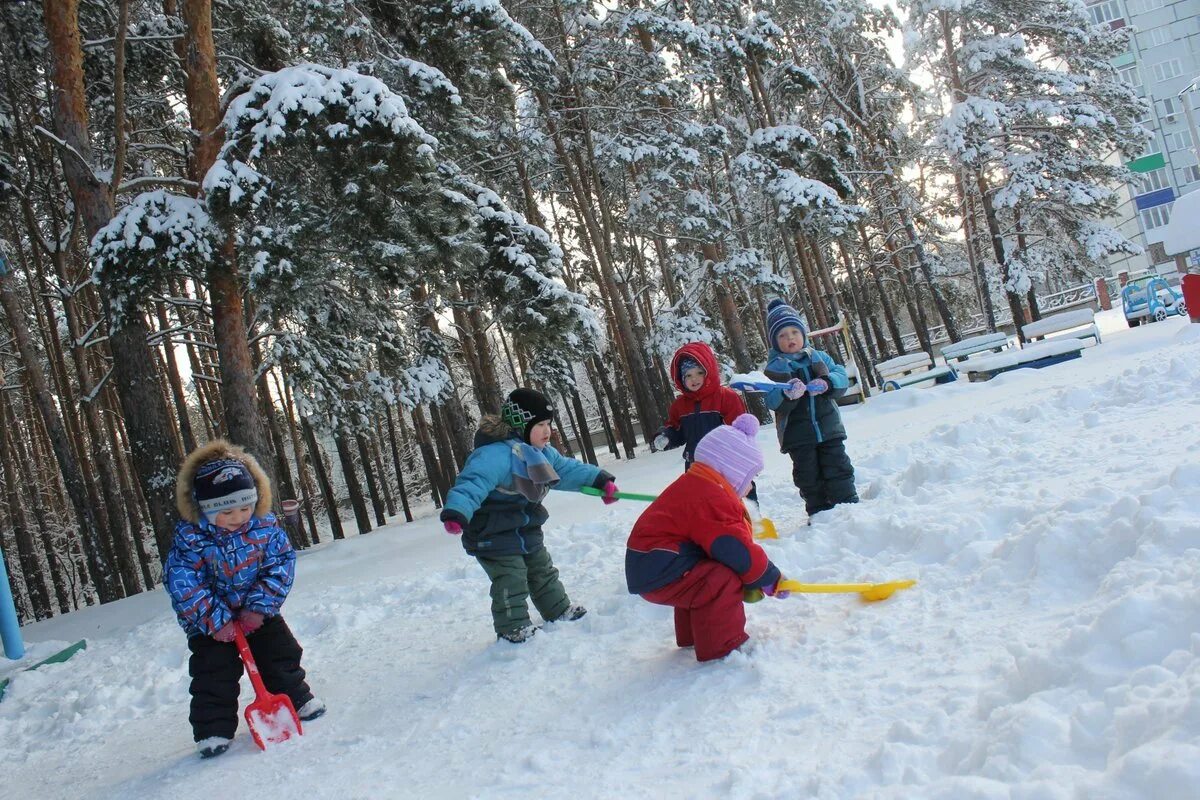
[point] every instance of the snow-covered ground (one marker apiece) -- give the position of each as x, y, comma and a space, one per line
1050, 650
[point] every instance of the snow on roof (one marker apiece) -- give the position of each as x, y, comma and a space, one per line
1183, 232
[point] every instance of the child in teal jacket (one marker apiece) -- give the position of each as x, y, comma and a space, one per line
807, 419
496, 505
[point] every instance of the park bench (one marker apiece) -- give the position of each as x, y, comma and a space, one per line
988, 342
911, 369
1032, 356
853, 393
1077, 324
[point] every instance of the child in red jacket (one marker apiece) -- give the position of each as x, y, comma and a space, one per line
703, 403
693, 548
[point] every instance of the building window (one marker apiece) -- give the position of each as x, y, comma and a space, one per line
1165, 70
1144, 6
1156, 36
1105, 12
1170, 107
1129, 76
1178, 141
1191, 174
1156, 217
1151, 181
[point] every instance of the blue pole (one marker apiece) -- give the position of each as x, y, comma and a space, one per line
10, 629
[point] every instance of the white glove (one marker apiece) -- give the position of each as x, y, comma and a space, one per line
661, 442
796, 391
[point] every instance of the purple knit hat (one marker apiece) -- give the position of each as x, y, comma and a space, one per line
732, 451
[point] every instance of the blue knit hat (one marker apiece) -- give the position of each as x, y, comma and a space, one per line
223, 484
779, 316
687, 363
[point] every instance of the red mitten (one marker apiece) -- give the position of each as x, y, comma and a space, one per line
452, 527
226, 633
251, 621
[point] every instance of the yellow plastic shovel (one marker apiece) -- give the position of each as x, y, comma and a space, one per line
870, 592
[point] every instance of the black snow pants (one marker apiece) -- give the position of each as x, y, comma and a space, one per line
824, 475
216, 670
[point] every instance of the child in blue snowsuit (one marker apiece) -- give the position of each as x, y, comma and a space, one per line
807, 420
496, 505
231, 563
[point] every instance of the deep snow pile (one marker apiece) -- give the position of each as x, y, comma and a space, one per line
1051, 649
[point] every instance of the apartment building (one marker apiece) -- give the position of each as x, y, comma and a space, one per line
1163, 61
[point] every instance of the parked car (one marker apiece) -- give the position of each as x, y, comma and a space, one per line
1151, 299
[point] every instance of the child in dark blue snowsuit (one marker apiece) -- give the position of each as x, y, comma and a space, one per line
231, 562
807, 419
496, 505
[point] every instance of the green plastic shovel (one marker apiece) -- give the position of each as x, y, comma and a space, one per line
763, 527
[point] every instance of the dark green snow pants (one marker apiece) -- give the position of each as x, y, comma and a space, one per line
515, 578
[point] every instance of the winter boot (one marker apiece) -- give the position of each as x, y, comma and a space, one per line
519, 635
213, 746
572, 613
311, 710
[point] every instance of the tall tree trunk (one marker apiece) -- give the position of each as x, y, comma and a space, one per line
35, 580
314, 454
381, 472
108, 581
921, 256
974, 258
364, 460
309, 496
391, 429
202, 91
589, 449
981, 184
346, 460
437, 479
134, 368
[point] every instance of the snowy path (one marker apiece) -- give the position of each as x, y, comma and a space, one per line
1051, 649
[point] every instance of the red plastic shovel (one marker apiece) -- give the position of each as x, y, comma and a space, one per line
271, 717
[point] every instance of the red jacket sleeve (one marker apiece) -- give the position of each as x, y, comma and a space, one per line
729, 540
732, 405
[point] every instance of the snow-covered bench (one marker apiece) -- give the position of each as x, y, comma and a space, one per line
1034, 356
988, 342
914, 368
1077, 324
853, 394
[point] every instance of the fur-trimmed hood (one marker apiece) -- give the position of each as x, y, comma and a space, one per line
214, 450
492, 428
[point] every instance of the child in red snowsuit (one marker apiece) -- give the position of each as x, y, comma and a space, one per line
693, 548
703, 403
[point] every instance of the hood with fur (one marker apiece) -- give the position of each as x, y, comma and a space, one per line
493, 429
217, 449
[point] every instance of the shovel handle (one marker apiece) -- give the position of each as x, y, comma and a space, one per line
870, 591
758, 386
239, 638
594, 492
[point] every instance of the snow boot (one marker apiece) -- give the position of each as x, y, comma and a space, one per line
213, 746
572, 613
311, 710
519, 635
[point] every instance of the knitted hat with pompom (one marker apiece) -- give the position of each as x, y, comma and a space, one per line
779, 316
732, 450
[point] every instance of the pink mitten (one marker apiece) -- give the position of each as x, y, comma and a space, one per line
452, 527
610, 491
